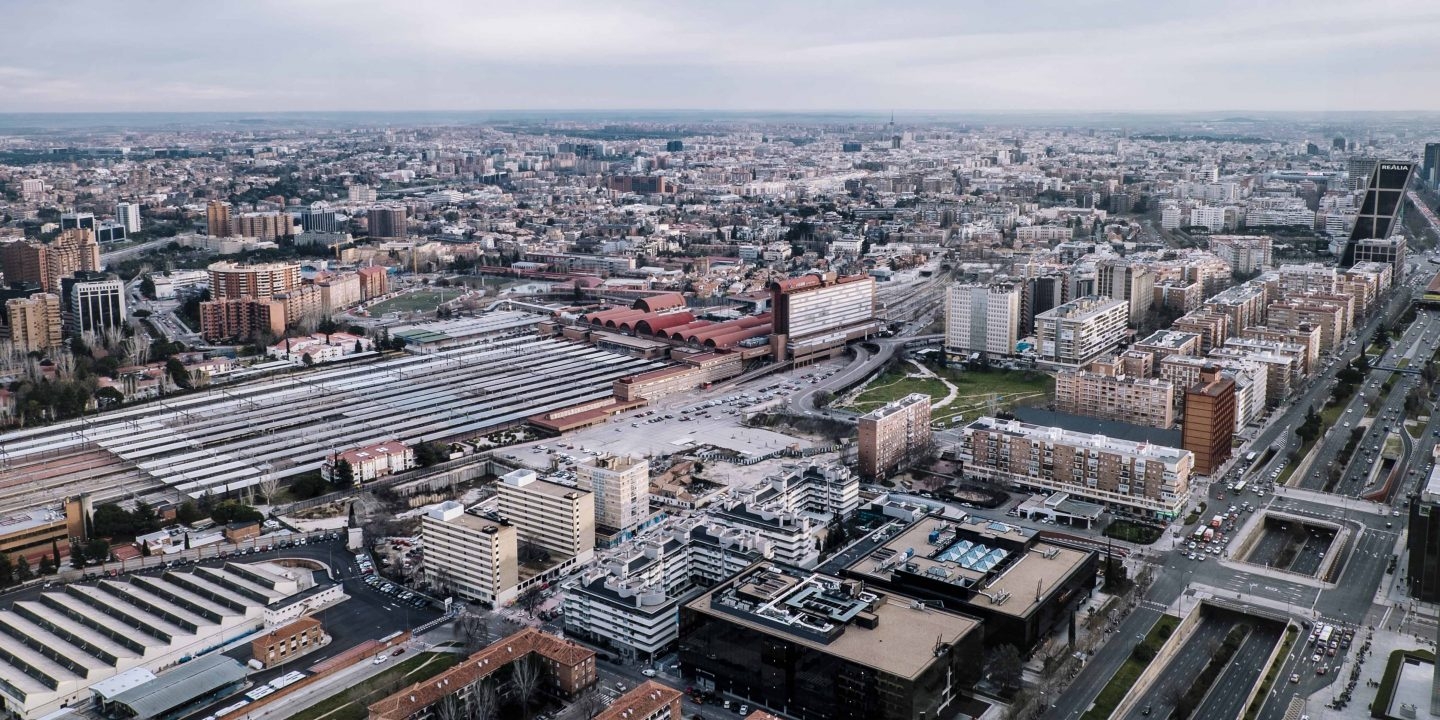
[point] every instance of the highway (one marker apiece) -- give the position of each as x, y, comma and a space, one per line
1348, 601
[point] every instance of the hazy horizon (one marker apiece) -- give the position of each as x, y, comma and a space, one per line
804, 56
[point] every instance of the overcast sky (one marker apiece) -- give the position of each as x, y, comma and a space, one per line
964, 55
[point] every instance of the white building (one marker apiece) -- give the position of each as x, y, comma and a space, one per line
622, 491
555, 517
97, 305
371, 462
1074, 334
982, 319
469, 556
128, 215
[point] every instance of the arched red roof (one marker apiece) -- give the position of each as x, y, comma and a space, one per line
664, 301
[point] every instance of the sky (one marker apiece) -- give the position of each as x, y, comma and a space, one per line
784, 55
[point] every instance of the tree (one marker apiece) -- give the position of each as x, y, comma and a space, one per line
231, 511
429, 453
145, 520
590, 703
188, 512
97, 550
48, 566
23, 573
309, 361
450, 707
525, 679
177, 372
359, 348
111, 520
1007, 669
530, 599
7, 571
343, 475
484, 703
147, 287
473, 629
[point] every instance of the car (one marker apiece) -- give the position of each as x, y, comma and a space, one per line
647, 672
398, 651
1315, 658
1294, 677
380, 659
744, 709
619, 685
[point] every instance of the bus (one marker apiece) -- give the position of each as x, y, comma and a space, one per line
1324, 639
1250, 457
1239, 487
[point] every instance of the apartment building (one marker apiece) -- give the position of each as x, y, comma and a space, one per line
1212, 327
1137, 478
1162, 343
374, 282
469, 556
1243, 304
1075, 333
242, 318
1178, 295
893, 434
1246, 253
555, 517
234, 280
621, 486
372, 461
1209, 420
387, 221
217, 219
36, 322
1126, 280
822, 490
629, 603
1306, 278
263, 226
1102, 390
982, 319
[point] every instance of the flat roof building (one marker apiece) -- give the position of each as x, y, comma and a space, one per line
1132, 477
558, 518
1103, 390
1023, 588
1210, 420
894, 434
1079, 331
471, 556
622, 491
817, 647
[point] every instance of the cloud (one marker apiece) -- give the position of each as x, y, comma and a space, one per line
725, 54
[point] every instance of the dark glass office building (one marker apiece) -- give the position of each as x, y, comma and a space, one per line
816, 647
1423, 543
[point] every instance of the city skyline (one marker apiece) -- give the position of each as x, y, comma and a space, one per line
800, 57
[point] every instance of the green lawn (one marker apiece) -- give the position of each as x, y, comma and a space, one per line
353, 702
894, 385
973, 390
1125, 677
417, 301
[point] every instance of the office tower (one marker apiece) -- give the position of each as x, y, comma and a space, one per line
217, 219
621, 486
1430, 164
814, 315
97, 305
76, 221
468, 556
1132, 282
32, 188
109, 232
1423, 542
982, 319
1081, 330
1384, 197
387, 221
1136, 477
360, 194
1103, 390
557, 518
128, 215
851, 147
319, 218
675, 146
1209, 421
1338, 144
75, 250
818, 646
233, 280
894, 434
35, 322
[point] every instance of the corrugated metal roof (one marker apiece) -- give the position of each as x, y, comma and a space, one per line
181, 685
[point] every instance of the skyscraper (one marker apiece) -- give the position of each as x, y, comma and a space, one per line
73, 251
1430, 166
217, 219
1384, 197
128, 214
97, 305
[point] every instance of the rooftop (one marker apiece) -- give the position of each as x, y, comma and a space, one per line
646, 698
181, 685
891, 633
